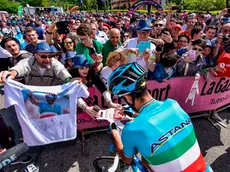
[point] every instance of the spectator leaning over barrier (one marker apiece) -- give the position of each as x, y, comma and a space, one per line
192, 64
114, 60
82, 69
91, 48
32, 36
40, 70
112, 44
12, 46
165, 69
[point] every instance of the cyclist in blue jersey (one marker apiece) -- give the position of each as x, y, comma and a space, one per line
48, 108
162, 132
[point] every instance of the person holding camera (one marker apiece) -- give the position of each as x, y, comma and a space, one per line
53, 37
222, 51
132, 47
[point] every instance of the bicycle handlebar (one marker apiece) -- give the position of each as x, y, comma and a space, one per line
12, 154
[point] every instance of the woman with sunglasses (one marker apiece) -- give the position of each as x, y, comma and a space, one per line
67, 45
192, 62
126, 36
106, 30
83, 69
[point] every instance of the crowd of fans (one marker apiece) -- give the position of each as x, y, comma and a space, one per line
53, 49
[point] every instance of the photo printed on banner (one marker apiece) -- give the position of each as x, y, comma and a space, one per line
45, 104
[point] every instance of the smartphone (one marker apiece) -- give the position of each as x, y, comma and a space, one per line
62, 24
143, 45
164, 31
62, 27
175, 7
228, 10
192, 55
159, 48
63, 30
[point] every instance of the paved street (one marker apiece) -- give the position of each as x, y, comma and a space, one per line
67, 156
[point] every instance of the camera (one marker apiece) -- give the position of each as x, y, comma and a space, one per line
159, 48
62, 27
225, 37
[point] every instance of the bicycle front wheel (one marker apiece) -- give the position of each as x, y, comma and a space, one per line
106, 164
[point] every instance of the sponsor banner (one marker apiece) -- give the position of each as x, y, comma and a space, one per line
206, 96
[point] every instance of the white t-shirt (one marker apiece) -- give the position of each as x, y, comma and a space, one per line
46, 114
101, 40
104, 75
133, 43
4, 54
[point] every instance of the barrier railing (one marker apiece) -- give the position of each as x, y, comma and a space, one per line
212, 95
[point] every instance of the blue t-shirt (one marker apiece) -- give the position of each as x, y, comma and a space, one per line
164, 135
40, 33
46, 107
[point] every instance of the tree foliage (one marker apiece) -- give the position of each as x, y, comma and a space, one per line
11, 7
95, 5
204, 5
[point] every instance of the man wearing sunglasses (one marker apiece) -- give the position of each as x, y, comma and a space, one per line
40, 70
158, 26
139, 49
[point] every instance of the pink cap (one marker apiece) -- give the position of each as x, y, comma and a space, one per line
177, 26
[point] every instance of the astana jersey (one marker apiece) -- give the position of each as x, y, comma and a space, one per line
164, 135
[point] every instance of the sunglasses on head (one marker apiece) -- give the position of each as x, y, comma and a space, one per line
158, 25
198, 49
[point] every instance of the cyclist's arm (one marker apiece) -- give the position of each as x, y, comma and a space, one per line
32, 99
119, 147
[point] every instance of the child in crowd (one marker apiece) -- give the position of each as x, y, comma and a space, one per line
165, 69
69, 59
207, 54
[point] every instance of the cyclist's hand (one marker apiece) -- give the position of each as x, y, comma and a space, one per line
112, 126
128, 110
114, 105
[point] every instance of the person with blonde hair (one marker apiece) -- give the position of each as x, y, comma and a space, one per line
114, 60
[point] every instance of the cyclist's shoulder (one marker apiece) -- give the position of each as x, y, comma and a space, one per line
171, 103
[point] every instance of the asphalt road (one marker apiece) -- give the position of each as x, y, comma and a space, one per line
67, 156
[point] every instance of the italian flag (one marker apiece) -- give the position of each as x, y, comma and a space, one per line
183, 157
